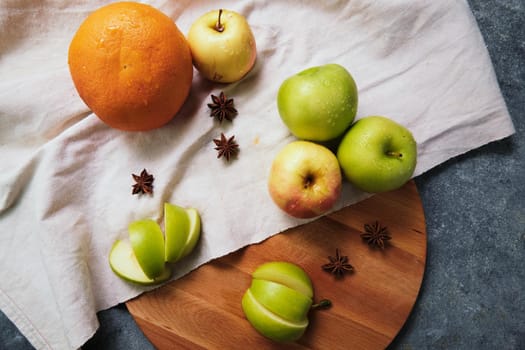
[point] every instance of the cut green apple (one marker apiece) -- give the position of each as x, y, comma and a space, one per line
124, 263
222, 46
268, 323
182, 229
142, 259
305, 179
176, 228
273, 296
147, 241
287, 274
278, 300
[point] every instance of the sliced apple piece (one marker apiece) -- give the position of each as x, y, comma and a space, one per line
124, 264
194, 231
287, 274
182, 229
270, 324
281, 300
176, 229
147, 242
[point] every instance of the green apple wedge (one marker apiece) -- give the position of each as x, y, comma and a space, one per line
287, 274
124, 264
269, 324
194, 231
281, 300
176, 228
182, 228
147, 242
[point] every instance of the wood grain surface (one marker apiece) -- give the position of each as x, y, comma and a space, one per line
203, 309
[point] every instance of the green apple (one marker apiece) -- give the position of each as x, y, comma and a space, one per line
147, 242
124, 263
305, 179
319, 103
222, 46
182, 229
287, 274
377, 154
278, 301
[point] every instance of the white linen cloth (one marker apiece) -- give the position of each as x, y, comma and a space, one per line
65, 177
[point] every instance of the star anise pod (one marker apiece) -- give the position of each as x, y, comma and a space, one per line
227, 147
376, 235
222, 107
144, 183
338, 264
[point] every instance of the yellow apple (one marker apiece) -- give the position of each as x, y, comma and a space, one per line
269, 324
222, 46
142, 259
305, 179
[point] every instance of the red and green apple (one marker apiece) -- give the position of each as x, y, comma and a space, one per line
305, 179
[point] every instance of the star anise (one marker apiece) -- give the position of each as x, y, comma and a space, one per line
222, 107
227, 147
144, 183
376, 235
338, 264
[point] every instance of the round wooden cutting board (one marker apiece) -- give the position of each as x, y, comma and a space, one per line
203, 309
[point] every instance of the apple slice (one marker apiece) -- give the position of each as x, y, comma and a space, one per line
281, 300
270, 324
287, 274
194, 231
182, 229
124, 264
176, 229
147, 242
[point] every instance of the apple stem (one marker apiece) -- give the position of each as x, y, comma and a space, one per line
323, 304
395, 154
218, 26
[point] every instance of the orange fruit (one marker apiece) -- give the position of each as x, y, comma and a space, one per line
131, 65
